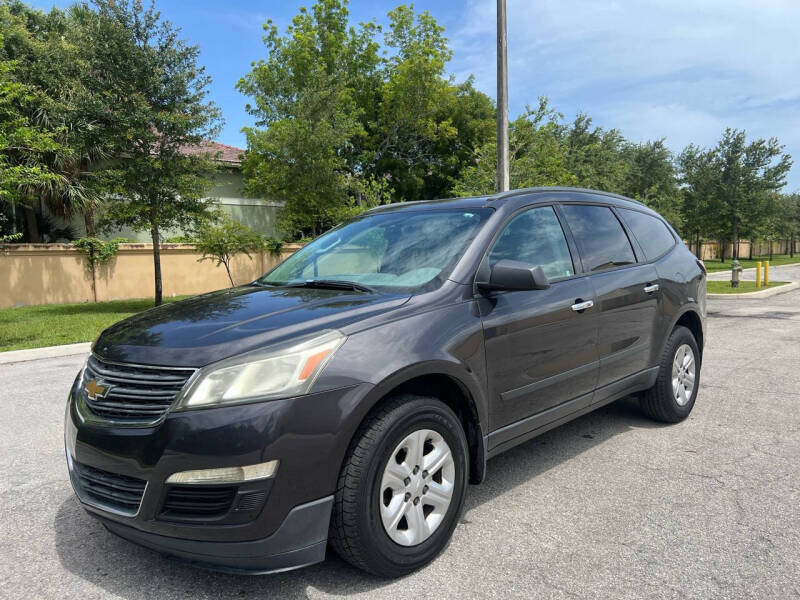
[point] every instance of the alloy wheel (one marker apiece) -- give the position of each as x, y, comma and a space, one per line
417, 487
683, 374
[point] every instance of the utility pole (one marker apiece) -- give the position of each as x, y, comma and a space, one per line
502, 99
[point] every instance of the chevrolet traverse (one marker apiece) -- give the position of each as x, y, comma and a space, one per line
348, 396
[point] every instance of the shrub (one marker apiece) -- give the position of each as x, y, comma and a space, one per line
273, 246
226, 238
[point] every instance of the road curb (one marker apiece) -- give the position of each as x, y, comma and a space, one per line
48, 352
781, 289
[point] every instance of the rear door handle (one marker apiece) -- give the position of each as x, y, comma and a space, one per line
649, 289
581, 306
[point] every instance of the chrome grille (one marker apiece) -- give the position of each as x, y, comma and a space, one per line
134, 392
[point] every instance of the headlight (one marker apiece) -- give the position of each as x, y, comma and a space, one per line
278, 372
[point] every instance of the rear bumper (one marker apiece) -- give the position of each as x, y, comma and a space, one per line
299, 541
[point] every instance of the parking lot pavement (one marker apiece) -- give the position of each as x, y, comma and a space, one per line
608, 506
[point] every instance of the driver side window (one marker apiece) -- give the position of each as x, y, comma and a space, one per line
535, 237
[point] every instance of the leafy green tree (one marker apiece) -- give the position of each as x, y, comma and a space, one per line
697, 178
411, 120
728, 190
301, 95
781, 221
33, 133
537, 154
472, 113
544, 150
97, 252
43, 54
341, 126
651, 178
792, 207
735, 180
225, 239
160, 92
7, 238
595, 156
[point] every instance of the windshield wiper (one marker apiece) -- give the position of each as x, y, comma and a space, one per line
260, 283
332, 284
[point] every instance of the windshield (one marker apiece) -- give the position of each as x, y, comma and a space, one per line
409, 250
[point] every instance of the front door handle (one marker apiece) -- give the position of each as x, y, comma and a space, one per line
581, 306
649, 289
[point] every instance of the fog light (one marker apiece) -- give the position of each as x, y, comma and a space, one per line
226, 474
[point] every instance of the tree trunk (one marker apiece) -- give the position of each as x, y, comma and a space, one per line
752, 243
94, 280
698, 250
88, 221
791, 246
735, 239
13, 217
156, 263
722, 245
32, 226
228, 270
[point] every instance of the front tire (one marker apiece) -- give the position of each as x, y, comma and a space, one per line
672, 397
401, 489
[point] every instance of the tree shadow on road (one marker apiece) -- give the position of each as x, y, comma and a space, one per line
119, 567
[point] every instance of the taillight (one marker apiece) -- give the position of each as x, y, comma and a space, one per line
702, 266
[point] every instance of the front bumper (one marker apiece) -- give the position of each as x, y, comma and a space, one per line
308, 436
299, 541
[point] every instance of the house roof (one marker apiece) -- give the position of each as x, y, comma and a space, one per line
221, 153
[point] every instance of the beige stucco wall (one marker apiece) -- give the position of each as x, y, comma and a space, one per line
33, 274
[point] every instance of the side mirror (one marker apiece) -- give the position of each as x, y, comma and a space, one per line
513, 275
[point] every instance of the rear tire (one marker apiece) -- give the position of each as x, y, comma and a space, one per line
389, 519
672, 397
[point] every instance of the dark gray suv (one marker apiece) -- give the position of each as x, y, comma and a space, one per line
349, 395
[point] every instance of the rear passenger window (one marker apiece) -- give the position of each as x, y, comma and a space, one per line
535, 237
652, 234
602, 242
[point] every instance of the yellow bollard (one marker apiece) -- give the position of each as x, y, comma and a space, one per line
766, 273
758, 274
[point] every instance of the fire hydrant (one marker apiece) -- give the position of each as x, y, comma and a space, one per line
735, 270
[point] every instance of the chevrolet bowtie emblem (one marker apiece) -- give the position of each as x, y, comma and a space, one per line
95, 390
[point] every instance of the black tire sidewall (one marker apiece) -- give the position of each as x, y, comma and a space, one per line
386, 555
680, 336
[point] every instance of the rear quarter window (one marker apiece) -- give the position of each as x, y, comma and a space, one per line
652, 233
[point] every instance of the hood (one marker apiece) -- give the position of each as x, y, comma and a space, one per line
210, 327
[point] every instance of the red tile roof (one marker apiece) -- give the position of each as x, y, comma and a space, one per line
222, 153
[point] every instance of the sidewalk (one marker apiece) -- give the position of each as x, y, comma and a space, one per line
48, 352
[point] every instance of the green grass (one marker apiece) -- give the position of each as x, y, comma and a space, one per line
714, 264
724, 287
55, 324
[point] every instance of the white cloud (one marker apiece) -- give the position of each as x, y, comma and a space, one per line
678, 69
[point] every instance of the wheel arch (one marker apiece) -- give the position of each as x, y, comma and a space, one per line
460, 393
690, 318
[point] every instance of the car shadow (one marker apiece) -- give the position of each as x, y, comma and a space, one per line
121, 568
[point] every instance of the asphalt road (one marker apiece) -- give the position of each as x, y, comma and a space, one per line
608, 506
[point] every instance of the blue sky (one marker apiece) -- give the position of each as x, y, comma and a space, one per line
680, 69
